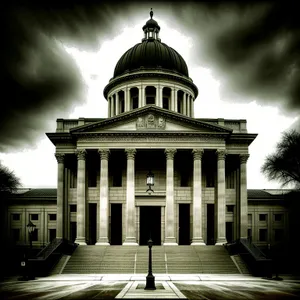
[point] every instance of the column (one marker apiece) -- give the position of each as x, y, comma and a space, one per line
197, 198
161, 96
157, 102
143, 95
172, 104
192, 107
175, 108
169, 210
188, 109
81, 205
184, 104
108, 106
60, 195
112, 106
127, 101
117, 103
130, 199
243, 196
103, 205
220, 201
140, 97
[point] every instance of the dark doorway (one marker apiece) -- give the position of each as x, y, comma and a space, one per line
92, 223
73, 231
229, 232
184, 224
210, 224
150, 224
116, 224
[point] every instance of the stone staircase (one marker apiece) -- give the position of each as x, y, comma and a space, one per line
165, 260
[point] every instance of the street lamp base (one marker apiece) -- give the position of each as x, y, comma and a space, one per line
150, 283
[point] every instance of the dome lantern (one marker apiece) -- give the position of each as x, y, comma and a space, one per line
151, 29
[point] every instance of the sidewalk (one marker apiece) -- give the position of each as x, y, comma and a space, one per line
168, 286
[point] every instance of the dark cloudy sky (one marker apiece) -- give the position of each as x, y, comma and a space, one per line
252, 46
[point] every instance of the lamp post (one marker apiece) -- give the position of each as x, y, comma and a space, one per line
150, 279
31, 228
150, 182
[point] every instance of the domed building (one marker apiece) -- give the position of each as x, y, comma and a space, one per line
151, 168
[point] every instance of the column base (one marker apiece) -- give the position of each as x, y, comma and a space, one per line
198, 242
130, 241
102, 241
80, 241
221, 241
170, 241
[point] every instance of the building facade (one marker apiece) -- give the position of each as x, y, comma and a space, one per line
199, 165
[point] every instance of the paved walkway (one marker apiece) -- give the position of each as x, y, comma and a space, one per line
128, 286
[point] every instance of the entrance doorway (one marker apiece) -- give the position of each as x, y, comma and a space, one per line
184, 224
150, 224
92, 223
229, 232
116, 224
73, 231
210, 224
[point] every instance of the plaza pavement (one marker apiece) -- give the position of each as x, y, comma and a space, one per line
128, 286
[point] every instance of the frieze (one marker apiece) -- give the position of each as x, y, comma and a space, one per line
150, 122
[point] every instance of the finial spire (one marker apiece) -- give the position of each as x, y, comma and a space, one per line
151, 13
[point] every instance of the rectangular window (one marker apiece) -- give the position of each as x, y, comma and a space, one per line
249, 219
262, 217
52, 217
16, 217
73, 208
278, 217
122, 105
16, 234
35, 235
263, 235
230, 208
210, 179
135, 102
34, 217
166, 103
117, 178
150, 100
278, 235
52, 234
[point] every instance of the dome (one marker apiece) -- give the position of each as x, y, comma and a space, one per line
151, 54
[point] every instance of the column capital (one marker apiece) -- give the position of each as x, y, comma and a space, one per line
244, 158
221, 154
104, 153
130, 152
81, 154
197, 153
170, 152
60, 157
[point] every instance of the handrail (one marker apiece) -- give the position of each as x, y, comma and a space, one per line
50, 248
253, 249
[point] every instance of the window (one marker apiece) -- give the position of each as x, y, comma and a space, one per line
16, 235
52, 217
166, 103
117, 178
249, 233
263, 233
122, 105
52, 234
230, 208
250, 218
35, 235
135, 102
278, 217
150, 100
262, 217
34, 217
16, 217
210, 180
73, 208
278, 235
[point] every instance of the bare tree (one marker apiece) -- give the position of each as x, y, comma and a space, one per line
9, 182
284, 164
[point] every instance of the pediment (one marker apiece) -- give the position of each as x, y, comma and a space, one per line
151, 119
